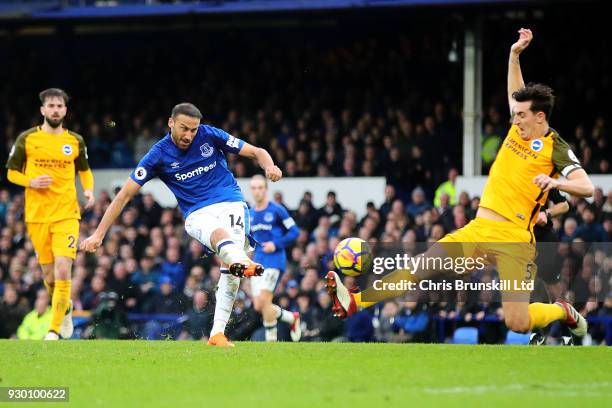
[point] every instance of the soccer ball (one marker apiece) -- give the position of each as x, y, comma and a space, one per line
352, 256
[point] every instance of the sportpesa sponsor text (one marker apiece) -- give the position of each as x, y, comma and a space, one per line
195, 172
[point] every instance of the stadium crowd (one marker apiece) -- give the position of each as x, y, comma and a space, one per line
149, 265
406, 124
332, 102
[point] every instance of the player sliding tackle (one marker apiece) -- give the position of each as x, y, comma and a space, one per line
191, 162
517, 187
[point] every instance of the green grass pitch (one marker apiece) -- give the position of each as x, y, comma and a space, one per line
181, 374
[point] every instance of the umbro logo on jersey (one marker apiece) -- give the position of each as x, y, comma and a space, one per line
67, 149
536, 145
175, 165
206, 150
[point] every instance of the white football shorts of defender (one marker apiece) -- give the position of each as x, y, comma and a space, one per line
267, 281
233, 217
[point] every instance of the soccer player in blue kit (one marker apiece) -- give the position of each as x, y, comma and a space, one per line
274, 230
190, 160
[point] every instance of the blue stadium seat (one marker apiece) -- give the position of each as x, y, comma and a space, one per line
465, 335
517, 338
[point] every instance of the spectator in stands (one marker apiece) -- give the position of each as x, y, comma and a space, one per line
598, 201
448, 187
168, 300
199, 318
491, 141
146, 277
35, 324
460, 218
244, 320
91, 296
308, 317
120, 283
590, 231
424, 225
390, 197
278, 199
569, 228
414, 320
329, 327
358, 327
418, 203
332, 209
4, 205
173, 268
12, 311
293, 290
306, 216
384, 330
607, 206
150, 211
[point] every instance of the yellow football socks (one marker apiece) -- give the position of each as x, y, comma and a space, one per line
543, 314
59, 303
50, 287
359, 303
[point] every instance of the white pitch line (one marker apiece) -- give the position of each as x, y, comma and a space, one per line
544, 388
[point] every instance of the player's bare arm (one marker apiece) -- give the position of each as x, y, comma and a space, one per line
515, 76
559, 209
91, 199
577, 183
263, 158
552, 212
127, 192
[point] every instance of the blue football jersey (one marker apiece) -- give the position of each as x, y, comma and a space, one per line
198, 176
273, 223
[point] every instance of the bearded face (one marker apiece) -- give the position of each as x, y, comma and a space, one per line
54, 111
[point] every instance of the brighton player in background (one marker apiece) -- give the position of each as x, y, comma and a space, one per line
274, 230
526, 168
45, 160
190, 160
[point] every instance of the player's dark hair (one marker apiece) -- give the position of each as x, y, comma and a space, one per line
187, 109
540, 95
53, 93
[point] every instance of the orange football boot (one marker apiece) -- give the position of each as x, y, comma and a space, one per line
247, 269
220, 340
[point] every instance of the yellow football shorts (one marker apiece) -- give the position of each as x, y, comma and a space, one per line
54, 239
507, 246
